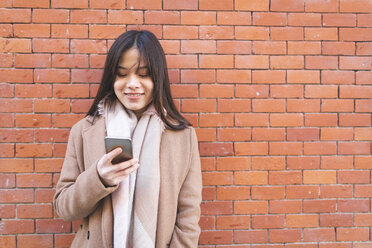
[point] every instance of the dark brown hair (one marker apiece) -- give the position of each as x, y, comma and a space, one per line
152, 53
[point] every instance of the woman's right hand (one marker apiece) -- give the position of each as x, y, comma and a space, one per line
113, 174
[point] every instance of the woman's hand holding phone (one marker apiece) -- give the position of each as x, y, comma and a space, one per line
113, 174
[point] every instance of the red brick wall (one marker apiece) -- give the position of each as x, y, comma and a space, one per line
279, 92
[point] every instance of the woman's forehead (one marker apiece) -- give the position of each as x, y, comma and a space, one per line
131, 59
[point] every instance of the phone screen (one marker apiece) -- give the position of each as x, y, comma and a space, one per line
126, 146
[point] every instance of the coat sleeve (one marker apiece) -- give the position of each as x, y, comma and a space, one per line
186, 232
78, 191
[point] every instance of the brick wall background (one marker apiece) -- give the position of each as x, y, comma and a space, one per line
279, 92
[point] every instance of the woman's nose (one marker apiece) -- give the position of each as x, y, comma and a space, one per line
133, 82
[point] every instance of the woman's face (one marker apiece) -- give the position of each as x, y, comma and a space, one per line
133, 85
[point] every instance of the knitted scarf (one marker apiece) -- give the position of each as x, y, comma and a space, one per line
135, 202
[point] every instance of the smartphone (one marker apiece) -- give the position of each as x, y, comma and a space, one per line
126, 147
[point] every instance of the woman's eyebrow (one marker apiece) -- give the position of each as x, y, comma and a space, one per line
141, 67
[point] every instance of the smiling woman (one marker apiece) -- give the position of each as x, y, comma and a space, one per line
152, 200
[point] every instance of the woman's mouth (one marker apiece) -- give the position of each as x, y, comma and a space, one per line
133, 96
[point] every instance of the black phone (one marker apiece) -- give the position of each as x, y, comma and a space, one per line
126, 147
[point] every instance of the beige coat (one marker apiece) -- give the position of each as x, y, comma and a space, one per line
80, 193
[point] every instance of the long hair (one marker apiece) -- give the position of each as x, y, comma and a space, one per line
152, 53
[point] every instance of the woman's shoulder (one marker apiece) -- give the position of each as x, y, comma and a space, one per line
84, 123
186, 135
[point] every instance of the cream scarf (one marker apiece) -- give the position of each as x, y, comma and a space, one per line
135, 202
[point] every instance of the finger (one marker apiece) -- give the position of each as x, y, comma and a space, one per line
111, 155
127, 164
124, 173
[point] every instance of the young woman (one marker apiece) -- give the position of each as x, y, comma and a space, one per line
152, 200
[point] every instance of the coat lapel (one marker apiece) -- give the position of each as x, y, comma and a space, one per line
94, 142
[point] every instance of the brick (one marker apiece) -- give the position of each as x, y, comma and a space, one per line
111, 4
162, 17
33, 150
362, 162
233, 193
301, 192
287, 5
207, 223
303, 105
50, 16
319, 206
216, 32
302, 134
319, 177
216, 5
17, 226
233, 105
52, 226
210, 237
351, 6
337, 105
6, 211
252, 91
251, 120
252, 61
336, 134
355, 34
233, 18
364, 48
233, 47
301, 221
303, 76
69, 61
321, 62
53, 105
339, 20
269, 19
320, 120
285, 148
15, 45
269, 47
182, 61
198, 105
155, 29
304, 19
86, 75
268, 77
250, 178
216, 120
263, 134
88, 46
287, 33
6, 90
7, 181
286, 62
63, 240
290, 235
286, 120
6, 60
268, 105
5, 3
349, 148
198, 46
32, 60
321, 6
51, 75
268, 221
105, 31
15, 105
51, 45
81, 105
15, 135
362, 219
198, 18
336, 191
285, 206
44, 195
355, 91
184, 91
233, 222
352, 234
363, 106
48, 165
363, 133
34, 211
35, 241
285, 177
197, 76
15, 15
338, 162
233, 163
7, 120
304, 47
216, 149
180, 32
35, 91
254, 5
216, 61
181, 5
69, 31
364, 20
251, 33
16, 165
319, 148
355, 63
216, 208
16, 195
321, 91
319, 235
217, 178
268, 163
229, 76
31, 30
267, 193
125, 17
338, 48
69, 4
253, 148
51, 135
321, 33
286, 91
337, 77
353, 205
250, 207
95, 61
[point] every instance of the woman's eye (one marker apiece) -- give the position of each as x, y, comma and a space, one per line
143, 75
122, 75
